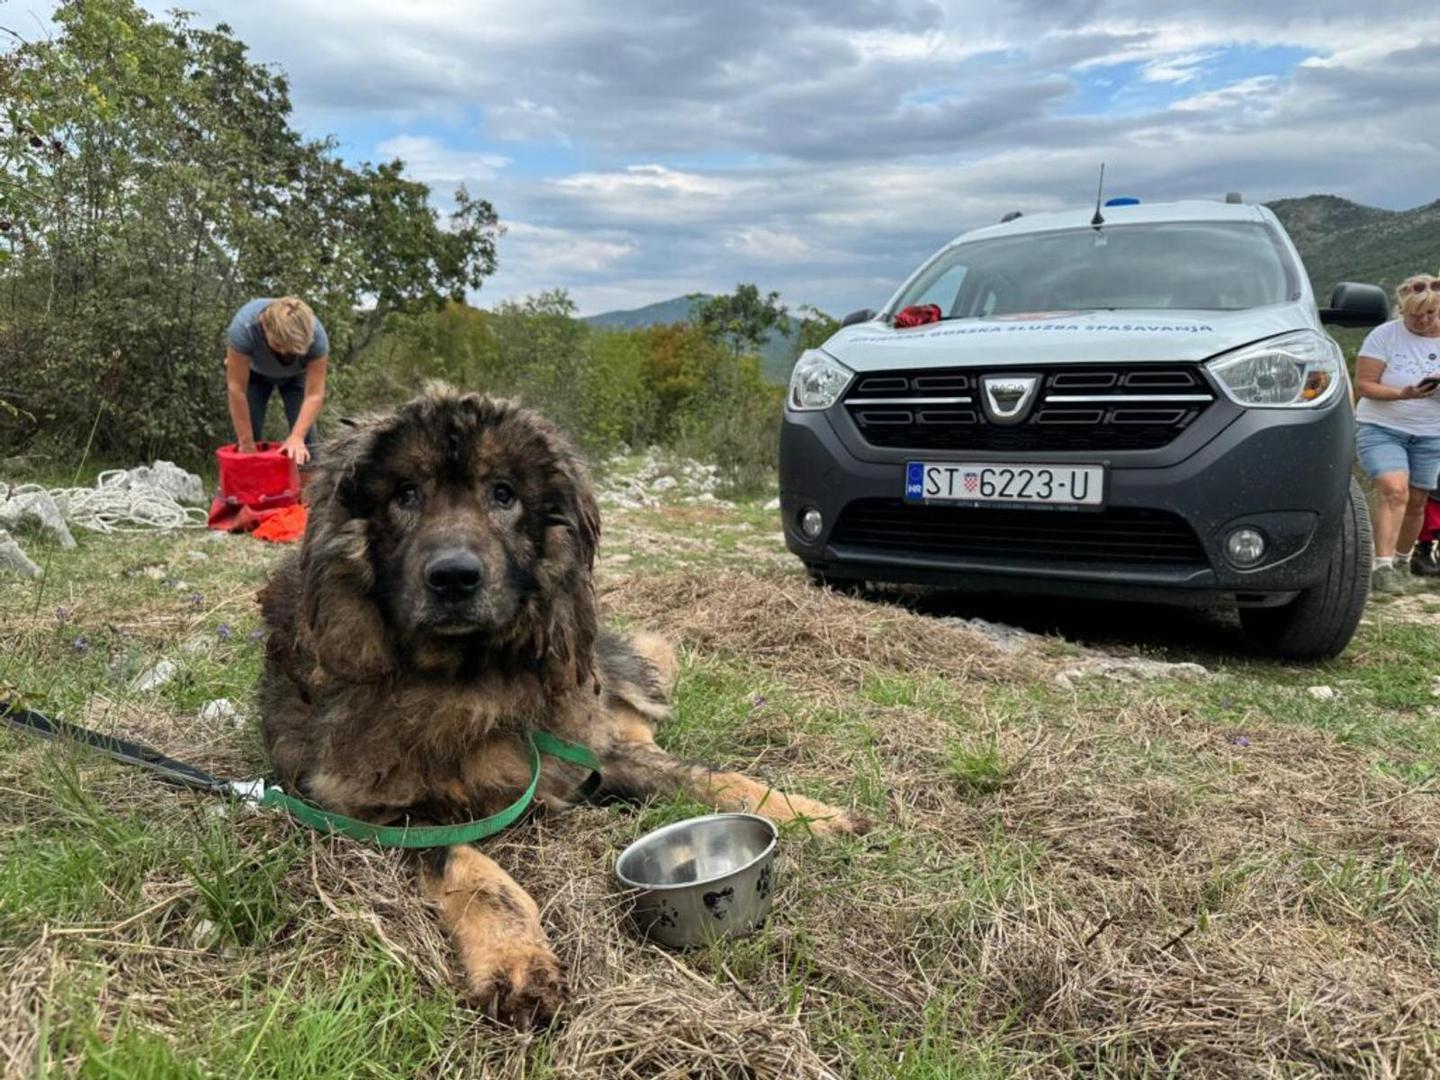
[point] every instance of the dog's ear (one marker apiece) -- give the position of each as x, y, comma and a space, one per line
567, 642
582, 513
342, 623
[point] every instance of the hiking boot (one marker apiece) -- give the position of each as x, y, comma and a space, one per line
1422, 560
1387, 581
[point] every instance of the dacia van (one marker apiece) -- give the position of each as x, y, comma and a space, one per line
1136, 403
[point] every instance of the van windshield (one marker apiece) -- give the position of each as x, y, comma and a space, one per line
1218, 266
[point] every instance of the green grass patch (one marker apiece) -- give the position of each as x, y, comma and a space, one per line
367, 1019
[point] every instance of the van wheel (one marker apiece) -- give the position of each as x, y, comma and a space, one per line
1320, 622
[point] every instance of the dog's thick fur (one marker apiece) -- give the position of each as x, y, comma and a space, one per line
441, 603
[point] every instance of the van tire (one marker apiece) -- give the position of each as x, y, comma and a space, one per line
1319, 623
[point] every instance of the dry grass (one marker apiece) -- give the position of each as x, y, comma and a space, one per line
1123, 888
813, 638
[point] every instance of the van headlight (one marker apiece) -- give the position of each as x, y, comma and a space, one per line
817, 381
1293, 370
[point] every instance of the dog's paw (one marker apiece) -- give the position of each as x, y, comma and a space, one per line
525, 992
840, 823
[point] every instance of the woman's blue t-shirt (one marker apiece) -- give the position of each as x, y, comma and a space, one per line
245, 336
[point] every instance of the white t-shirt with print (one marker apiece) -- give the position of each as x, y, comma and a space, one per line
1408, 359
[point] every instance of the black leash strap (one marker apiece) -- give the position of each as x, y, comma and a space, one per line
258, 792
132, 753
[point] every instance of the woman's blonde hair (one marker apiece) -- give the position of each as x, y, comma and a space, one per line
288, 325
1417, 301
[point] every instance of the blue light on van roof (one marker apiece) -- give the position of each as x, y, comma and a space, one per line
1122, 200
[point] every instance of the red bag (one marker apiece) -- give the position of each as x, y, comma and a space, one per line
262, 484
1430, 527
917, 315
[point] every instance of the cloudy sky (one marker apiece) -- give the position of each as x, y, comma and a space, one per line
641, 149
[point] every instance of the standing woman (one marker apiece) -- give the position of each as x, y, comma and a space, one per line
1397, 435
276, 345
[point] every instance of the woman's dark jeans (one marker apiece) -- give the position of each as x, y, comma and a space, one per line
292, 393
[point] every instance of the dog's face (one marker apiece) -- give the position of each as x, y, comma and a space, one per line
456, 522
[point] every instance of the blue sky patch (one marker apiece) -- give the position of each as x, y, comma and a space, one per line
1119, 89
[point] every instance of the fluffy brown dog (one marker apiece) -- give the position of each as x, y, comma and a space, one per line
440, 604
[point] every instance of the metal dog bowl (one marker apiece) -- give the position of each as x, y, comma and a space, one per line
702, 878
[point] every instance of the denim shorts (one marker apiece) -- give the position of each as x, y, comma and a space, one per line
1385, 450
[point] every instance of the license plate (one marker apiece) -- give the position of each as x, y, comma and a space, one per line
994, 483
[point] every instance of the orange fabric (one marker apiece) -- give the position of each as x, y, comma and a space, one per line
283, 526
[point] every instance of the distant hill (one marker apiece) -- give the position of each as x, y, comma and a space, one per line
1343, 241
665, 313
776, 358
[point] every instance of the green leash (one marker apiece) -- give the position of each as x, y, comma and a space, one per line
257, 792
427, 836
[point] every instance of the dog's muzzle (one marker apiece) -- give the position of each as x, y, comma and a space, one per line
454, 576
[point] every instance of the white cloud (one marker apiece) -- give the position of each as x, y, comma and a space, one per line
1255, 92
648, 179
769, 245
430, 160
1177, 69
563, 251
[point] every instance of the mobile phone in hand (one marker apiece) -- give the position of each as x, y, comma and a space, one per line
1430, 382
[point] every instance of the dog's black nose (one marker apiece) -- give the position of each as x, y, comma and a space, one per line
453, 574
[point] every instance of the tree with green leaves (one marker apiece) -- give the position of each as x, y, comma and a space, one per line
743, 320
815, 328
153, 182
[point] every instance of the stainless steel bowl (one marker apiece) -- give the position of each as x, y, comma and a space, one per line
701, 878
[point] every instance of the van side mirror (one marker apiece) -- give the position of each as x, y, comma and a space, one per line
863, 315
1353, 304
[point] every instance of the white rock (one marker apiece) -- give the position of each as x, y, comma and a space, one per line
773, 504
221, 709
36, 510
166, 477
1131, 669
1321, 693
155, 677
203, 935
1007, 639
664, 483
13, 560
196, 556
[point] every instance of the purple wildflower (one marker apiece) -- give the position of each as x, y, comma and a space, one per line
256, 634
81, 645
62, 614
1241, 740
223, 632
758, 701
196, 600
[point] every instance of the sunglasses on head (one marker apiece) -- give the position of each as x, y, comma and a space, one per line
288, 358
1433, 285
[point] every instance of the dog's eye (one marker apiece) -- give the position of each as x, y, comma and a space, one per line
407, 496
504, 496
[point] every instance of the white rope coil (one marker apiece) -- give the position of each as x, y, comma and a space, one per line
115, 504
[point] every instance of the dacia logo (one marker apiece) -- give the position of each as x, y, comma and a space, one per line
1007, 398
